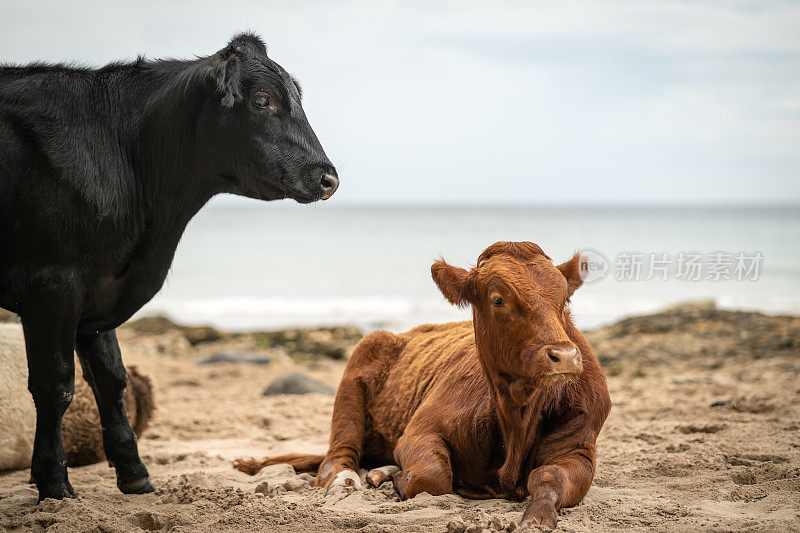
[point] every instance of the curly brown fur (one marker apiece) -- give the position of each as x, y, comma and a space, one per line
81, 430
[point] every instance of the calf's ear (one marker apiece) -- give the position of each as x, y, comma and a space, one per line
571, 270
452, 281
226, 72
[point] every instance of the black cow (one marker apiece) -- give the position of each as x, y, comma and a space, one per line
100, 171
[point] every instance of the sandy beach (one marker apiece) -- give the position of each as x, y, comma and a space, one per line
704, 435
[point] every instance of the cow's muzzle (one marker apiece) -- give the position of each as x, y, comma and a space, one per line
563, 358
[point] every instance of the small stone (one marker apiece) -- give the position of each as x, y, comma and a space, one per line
496, 524
234, 357
297, 384
262, 488
511, 526
456, 526
293, 485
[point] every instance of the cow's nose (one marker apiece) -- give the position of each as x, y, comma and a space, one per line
564, 360
329, 183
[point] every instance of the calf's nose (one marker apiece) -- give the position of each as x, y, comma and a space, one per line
564, 360
329, 183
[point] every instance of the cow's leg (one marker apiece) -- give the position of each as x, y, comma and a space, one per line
340, 467
370, 360
49, 320
562, 481
101, 361
425, 463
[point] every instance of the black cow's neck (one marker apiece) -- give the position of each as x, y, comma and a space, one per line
168, 185
166, 153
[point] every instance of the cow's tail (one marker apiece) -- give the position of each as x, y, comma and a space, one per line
300, 462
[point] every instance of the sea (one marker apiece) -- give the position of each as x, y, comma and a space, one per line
245, 265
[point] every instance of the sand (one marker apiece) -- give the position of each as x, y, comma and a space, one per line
704, 435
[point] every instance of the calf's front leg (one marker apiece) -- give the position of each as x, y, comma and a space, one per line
425, 465
339, 469
562, 482
103, 370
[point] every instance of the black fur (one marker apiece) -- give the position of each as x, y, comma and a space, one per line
100, 171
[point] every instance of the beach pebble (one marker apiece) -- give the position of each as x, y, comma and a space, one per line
262, 488
297, 384
230, 356
278, 471
308, 477
293, 485
456, 525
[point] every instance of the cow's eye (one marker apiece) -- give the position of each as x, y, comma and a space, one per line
261, 100
498, 301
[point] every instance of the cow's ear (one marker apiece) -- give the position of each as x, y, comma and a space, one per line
227, 73
454, 282
571, 270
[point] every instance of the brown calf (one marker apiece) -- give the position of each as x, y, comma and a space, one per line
508, 405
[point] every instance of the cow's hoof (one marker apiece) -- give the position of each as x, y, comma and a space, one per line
539, 512
379, 476
56, 491
70, 489
344, 480
140, 486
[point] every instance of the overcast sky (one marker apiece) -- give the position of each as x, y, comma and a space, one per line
526, 102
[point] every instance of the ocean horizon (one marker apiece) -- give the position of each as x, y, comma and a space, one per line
245, 265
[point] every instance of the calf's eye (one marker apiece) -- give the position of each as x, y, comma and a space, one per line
498, 301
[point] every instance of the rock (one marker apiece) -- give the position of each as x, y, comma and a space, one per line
297, 384
200, 334
699, 334
152, 325
308, 477
262, 488
700, 428
296, 484
721, 403
230, 356
456, 525
158, 325
335, 343
278, 471
754, 406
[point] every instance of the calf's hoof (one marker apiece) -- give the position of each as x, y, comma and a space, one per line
379, 476
541, 512
139, 486
344, 480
